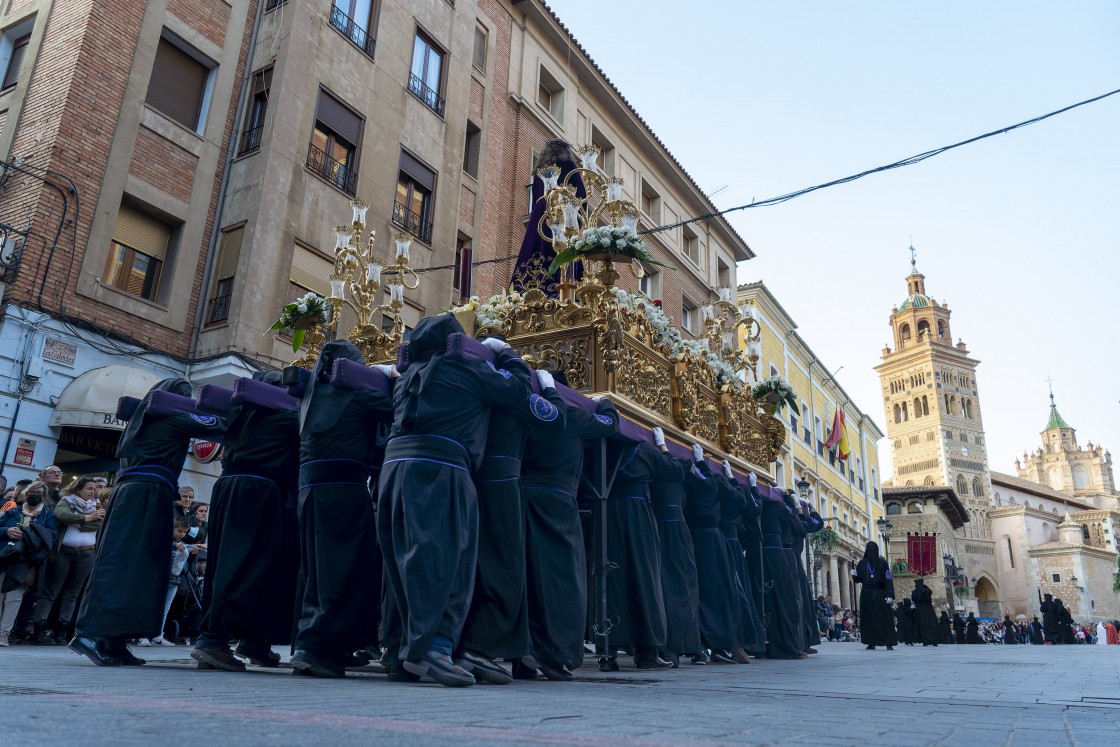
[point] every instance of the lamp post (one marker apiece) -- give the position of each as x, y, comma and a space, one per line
803, 492
885, 528
950, 567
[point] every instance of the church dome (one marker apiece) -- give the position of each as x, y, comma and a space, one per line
917, 301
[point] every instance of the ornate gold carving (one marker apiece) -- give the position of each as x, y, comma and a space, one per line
644, 381
775, 437
569, 356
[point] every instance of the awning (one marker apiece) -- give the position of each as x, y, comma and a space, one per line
90, 401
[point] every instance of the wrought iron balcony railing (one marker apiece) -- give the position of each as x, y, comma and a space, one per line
425, 94
357, 35
250, 141
273, 4
412, 222
338, 174
217, 309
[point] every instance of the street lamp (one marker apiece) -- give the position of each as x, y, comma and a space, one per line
885, 528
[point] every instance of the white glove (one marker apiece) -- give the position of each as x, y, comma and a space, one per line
544, 378
889, 600
596, 398
658, 436
495, 344
388, 370
727, 470
697, 453
752, 478
855, 572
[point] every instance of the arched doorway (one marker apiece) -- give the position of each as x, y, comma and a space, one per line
987, 598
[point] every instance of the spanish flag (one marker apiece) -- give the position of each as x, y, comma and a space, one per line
838, 439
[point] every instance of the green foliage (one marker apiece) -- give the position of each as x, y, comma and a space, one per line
825, 540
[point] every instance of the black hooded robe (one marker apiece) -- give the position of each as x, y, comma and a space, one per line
679, 588
427, 506
1049, 612
732, 502
811, 523
340, 570
1035, 629
249, 588
904, 622
958, 629
497, 625
973, 627
876, 622
785, 637
750, 538
720, 626
1065, 624
946, 627
634, 594
555, 559
926, 630
126, 590
1010, 634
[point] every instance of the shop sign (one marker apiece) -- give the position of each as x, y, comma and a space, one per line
25, 452
59, 351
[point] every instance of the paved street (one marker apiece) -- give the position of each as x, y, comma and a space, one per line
952, 695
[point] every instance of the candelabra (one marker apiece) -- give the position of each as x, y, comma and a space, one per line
359, 273
722, 321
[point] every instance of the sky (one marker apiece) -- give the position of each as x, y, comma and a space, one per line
1019, 233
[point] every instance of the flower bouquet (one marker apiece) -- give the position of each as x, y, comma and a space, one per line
962, 591
301, 315
616, 243
899, 566
776, 393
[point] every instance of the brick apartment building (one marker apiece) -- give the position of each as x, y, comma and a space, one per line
173, 172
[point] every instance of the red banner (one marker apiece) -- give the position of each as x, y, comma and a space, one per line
921, 554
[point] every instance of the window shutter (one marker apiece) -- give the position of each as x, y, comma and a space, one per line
479, 58
15, 62
177, 85
339, 118
411, 316
262, 81
311, 271
229, 253
142, 233
419, 173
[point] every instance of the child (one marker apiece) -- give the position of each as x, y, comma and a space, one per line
179, 555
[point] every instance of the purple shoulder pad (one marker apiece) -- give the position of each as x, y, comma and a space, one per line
215, 399
259, 395
572, 398
126, 408
402, 358
165, 403
461, 345
351, 376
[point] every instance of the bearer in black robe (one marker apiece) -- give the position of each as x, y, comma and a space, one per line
785, 637
1065, 623
733, 500
1049, 619
1035, 629
750, 537
678, 566
1010, 633
958, 629
634, 583
720, 628
972, 625
945, 625
925, 619
556, 563
876, 623
497, 626
126, 591
340, 569
811, 523
428, 508
904, 622
249, 587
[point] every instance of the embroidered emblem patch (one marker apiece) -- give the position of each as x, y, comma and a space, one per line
505, 374
605, 419
542, 409
204, 419
889, 575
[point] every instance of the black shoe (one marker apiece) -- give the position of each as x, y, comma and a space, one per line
890, 648
870, 648
523, 671
722, 657
811, 650
42, 637
608, 664
261, 656
655, 663
483, 669
119, 650
308, 663
555, 672
397, 673
700, 658
674, 659
217, 658
91, 649
441, 669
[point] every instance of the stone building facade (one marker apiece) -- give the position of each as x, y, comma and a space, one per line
1062, 465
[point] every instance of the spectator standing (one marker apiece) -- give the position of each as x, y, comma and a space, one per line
180, 553
52, 477
36, 530
8, 500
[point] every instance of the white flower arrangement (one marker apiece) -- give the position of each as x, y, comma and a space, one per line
620, 240
489, 312
305, 312
776, 385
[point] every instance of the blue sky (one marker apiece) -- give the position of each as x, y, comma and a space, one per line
1018, 233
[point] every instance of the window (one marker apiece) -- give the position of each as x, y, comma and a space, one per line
137, 253
254, 120
550, 94
606, 157
217, 308
651, 203
310, 272
15, 61
471, 149
724, 274
416, 186
1056, 578
923, 330
904, 334
688, 315
690, 245
273, 4
894, 509
793, 422
649, 283
425, 79
914, 508
779, 474
962, 485
333, 153
352, 19
940, 331
178, 86
773, 370
481, 36
977, 490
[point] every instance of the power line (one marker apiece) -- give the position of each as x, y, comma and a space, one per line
897, 164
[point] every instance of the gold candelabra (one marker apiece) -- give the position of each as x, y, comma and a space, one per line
722, 320
359, 273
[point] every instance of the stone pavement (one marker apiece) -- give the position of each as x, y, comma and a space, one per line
971, 696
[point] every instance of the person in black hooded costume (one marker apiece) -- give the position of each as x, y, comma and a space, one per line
785, 637
811, 523
556, 563
876, 623
1065, 623
946, 627
497, 625
733, 501
958, 629
340, 568
1049, 612
249, 586
904, 622
428, 509
125, 593
925, 619
972, 625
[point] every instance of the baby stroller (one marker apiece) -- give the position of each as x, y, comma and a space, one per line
188, 623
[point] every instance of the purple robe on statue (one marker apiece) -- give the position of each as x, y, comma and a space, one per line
536, 255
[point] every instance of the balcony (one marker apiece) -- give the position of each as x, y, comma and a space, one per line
357, 35
421, 90
250, 141
273, 4
338, 174
217, 309
413, 223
